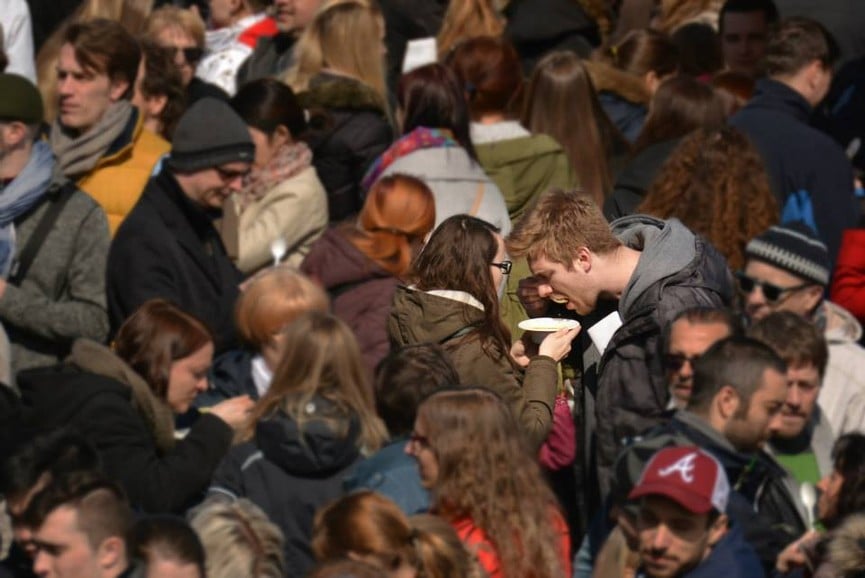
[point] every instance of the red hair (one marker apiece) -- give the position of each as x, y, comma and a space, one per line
398, 213
489, 71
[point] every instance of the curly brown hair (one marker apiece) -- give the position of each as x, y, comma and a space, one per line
716, 184
487, 473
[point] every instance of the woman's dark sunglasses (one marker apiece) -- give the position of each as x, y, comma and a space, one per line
192, 54
771, 291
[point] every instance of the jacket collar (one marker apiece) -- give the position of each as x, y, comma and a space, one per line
778, 96
190, 225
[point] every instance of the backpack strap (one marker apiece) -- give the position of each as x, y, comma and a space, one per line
57, 200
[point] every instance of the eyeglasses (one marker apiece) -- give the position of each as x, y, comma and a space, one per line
192, 54
771, 291
229, 175
418, 441
675, 361
505, 266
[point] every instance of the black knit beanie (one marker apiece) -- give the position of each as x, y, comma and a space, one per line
210, 134
794, 248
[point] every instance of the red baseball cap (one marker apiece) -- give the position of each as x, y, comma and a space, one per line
687, 475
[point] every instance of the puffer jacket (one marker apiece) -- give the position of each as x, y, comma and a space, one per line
677, 270
307, 464
350, 128
448, 318
361, 291
119, 178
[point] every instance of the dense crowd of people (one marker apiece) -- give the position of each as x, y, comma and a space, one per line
432, 289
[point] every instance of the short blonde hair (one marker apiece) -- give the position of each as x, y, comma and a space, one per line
239, 540
174, 17
559, 224
273, 299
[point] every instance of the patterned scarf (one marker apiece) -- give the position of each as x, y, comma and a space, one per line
420, 138
288, 161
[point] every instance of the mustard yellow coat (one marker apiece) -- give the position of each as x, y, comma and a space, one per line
120, 176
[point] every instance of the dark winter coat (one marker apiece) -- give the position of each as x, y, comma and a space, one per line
199, 89
447, 318
229, 376
290, 473
272, 56
408, 20
102, 398
167, 248
538, 27
765, 501
623, 96
361, 291
677, 270
636, 178
350, 128
804, 164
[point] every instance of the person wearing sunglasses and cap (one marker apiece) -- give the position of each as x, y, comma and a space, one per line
787, 268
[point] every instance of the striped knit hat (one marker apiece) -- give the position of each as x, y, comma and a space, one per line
794, 248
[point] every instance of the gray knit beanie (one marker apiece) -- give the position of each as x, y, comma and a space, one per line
210, 134
795, 248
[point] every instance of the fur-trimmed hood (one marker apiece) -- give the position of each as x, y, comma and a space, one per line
334, 92
607, 78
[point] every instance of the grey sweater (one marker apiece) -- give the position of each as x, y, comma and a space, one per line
62, 297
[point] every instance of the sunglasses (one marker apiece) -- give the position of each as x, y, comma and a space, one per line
418, 441
191, 54
771, 291
505, 266
675, 361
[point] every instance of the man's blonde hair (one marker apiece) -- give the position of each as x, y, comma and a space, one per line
559, 223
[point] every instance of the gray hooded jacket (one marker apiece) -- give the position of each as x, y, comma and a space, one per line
677, 270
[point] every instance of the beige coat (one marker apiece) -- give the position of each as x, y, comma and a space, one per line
295, 210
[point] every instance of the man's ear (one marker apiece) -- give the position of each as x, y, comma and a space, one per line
118, 89
718, 529
112, 553
812, 296
584, 260
726, 402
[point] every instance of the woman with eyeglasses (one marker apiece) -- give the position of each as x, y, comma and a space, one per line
454, 301
361, 263
485, 481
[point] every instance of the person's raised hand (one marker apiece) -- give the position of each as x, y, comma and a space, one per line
527, 293
558, 344
234, 411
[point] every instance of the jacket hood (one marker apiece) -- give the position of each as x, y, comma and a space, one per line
608, 78
334, 262
313, 449
424, 317
777, 96
95, 358
330, 91
666, 248
841, 326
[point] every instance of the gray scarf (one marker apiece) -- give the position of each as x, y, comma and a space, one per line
78, 156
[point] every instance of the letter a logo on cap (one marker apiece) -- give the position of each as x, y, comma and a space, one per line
685, 468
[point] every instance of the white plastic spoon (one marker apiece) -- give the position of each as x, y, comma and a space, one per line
278, 248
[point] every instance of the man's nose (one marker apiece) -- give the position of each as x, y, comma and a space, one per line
661, 539
794, 397
544, 290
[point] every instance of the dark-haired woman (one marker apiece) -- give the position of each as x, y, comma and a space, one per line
125, 401
455, 302
680, 106
628, 74
436, 148
282, 198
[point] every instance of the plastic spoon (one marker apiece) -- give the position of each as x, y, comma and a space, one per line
278, 248
808, 494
